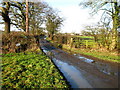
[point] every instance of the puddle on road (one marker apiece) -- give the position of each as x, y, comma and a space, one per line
73, 75
103, 67
85, 59
45, 51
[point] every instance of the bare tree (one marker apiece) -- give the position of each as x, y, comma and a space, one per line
53, 24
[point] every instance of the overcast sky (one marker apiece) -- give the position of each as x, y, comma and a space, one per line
75, 16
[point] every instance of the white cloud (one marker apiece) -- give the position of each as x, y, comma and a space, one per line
75, 17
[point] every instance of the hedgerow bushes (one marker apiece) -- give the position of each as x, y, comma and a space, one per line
17, 42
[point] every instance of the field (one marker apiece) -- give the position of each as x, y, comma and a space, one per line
30, 70
85, 37
83, 41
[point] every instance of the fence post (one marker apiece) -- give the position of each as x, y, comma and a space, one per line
86, 44
71, 43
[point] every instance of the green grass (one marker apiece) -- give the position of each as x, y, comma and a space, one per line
101, 55
30, 71
91, 37
86, 37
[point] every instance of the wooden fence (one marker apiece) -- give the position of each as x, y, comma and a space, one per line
74, 41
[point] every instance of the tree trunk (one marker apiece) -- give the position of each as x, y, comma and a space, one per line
115, 18
5, 15
7, 26
114, 36
27, 22
51, 37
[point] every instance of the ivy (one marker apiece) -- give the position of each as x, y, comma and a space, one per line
30, 71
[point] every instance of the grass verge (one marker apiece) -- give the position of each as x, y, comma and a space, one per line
30, 70
104, 55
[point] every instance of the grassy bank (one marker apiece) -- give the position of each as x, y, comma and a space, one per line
104, 55
30, 70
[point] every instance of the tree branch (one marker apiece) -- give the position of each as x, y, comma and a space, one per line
3, 9
107, 10
1, 22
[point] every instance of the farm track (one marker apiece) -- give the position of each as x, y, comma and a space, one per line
95, 78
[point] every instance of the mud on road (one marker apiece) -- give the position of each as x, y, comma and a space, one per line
94, 76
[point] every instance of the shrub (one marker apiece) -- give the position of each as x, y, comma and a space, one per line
17, 42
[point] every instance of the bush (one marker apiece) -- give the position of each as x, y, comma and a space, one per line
62, 39
17, 42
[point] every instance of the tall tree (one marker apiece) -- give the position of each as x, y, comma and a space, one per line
111, 8
13, 13
27, 20
37, 15
53, 24
5, 14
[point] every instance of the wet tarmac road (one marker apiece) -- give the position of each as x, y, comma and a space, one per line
80, 71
